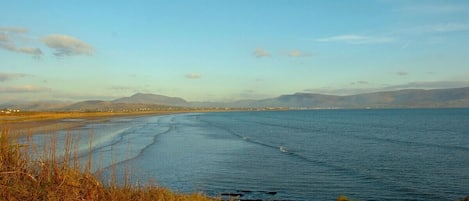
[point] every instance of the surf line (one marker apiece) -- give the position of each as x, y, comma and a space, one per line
171, 128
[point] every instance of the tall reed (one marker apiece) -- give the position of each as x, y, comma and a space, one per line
49, 177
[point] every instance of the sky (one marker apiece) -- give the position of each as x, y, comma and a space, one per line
212, 50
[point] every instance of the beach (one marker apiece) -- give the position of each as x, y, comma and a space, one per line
43, 122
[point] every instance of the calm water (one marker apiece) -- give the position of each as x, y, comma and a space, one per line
293, 155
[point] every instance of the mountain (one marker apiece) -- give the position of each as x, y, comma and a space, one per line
411, 98
414, 98
152, 99
107, 106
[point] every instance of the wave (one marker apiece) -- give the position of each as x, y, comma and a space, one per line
169, 125
344, 171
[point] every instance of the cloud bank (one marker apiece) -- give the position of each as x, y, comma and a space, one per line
65, 45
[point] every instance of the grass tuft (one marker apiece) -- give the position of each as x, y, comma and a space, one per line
47, 178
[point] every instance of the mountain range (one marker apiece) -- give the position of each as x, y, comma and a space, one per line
411, 98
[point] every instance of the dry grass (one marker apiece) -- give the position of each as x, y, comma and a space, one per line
48, 178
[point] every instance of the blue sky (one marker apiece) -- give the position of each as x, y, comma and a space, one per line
229, 50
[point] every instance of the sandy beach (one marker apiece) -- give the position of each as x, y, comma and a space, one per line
27, 123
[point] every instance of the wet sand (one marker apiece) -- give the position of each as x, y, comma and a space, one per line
50, 122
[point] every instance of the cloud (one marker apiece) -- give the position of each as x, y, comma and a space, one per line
14, 30
297, 53
121, 88
30, 50
65, 45
23, 89
449, 27
437, 28
259, 53
429, 85
11, 76
3, 37
340, 91
25, 50
193, 76
6, 43
357, 39
362, 82
402, 73
441, 8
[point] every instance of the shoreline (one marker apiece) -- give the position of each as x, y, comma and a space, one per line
27, 123
31, 122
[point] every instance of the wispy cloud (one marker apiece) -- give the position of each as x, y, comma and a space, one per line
65, 45
11, 76
25, 50
429, 85
340, 91
23, 89
3, 37
122, 88
402, 73
7, 43
360, 82
193, 76
260, 53
14, 29
357, 39
434, 8
298, 53
437, 28
450, 27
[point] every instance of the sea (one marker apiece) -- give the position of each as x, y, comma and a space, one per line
374, 154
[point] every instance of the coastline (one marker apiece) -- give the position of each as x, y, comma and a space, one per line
27, 123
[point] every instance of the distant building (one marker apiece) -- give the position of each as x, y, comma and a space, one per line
9, 111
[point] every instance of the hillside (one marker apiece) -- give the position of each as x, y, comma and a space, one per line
109, 106
414, 98
152, 99
411, 98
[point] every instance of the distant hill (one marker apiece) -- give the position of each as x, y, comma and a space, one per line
36, 106
152, 99
412, 98
107, 106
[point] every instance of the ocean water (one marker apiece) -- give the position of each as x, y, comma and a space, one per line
400, 154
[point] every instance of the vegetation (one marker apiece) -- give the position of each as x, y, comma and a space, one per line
27, 175
48, 178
